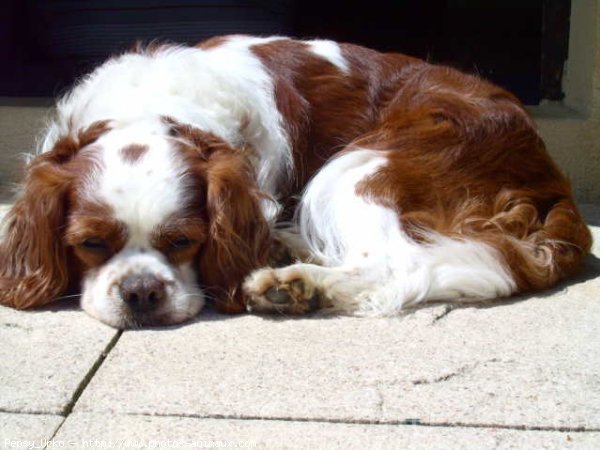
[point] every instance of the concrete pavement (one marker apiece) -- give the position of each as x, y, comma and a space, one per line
518, 374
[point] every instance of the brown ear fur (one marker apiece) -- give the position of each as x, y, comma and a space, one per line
238, 240
33, 259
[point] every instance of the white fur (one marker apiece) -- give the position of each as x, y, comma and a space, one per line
374, 267
331, 51
224, 90
101, 298
144, 193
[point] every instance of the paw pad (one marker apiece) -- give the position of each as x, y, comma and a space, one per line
278, 296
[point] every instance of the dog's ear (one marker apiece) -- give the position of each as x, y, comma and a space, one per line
33, 258
238, 233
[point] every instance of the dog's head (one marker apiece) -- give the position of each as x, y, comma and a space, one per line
145, 219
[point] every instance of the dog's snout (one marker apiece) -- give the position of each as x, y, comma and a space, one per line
142, 292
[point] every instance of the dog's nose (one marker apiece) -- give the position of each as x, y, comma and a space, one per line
142, 292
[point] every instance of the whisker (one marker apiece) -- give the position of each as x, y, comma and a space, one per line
192, 295
63, 297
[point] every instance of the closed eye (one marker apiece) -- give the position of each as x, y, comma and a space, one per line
180, 243
95, 244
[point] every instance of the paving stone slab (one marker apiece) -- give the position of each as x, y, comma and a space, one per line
528, 363
22, 430
134, 432
531, 363
45, 355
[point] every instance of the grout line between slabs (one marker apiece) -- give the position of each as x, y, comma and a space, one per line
66, 412
406, 422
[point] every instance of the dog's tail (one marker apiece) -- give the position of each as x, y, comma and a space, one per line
491, 176
542, 239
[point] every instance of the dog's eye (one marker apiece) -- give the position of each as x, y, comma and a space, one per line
180, 243
96, 244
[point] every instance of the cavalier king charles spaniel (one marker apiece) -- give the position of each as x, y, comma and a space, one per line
279, 175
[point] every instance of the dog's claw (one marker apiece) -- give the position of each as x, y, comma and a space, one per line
278, 296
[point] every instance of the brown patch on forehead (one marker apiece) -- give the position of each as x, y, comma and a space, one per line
132, 153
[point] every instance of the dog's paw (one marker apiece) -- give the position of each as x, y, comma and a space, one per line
287, 290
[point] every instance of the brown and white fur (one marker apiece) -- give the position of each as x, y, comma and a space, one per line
170, 174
